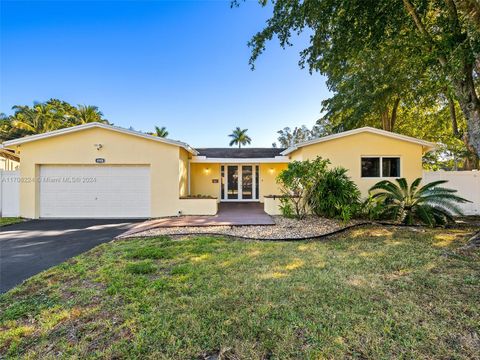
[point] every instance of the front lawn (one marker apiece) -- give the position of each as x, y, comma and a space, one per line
9, 220
371, 293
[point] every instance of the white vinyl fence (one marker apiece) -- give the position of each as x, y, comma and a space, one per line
466, 182
9, 193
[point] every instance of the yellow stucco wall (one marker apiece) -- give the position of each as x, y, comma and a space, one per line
183, 172
198, 206
272, 206
201, 176
268, 175
347, 152
118, 149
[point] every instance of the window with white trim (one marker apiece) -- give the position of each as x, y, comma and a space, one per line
380, 166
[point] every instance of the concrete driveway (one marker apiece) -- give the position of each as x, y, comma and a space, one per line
32, 246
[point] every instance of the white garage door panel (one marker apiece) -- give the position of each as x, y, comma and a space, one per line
94, 191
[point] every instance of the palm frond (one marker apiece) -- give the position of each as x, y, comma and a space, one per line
402, 184
426, 214
431, 204
389, 187
430, 185
414, 185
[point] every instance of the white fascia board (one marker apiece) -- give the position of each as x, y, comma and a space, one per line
68, 130
205, 160
427, 144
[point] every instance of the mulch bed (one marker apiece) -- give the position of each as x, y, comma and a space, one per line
284, 229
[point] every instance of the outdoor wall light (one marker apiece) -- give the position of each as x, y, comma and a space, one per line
271, 170
98, 146
207, 170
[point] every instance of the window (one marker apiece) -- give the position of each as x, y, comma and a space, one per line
391, 167
247, 182
371, 167
380, 166
232, 182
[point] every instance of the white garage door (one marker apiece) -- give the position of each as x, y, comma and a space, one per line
94, 191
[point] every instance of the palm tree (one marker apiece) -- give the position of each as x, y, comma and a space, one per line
35, 120
88, 114
240, 137
161, 131
429, 204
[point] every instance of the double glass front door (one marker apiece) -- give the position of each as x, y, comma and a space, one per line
239, 182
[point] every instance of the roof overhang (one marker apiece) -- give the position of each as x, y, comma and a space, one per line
205, 160
427, 145
9, 155
73, 129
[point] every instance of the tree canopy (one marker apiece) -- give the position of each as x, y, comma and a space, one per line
383, 58
288, 137
47, 116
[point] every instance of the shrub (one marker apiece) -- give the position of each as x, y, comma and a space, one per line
334, 195
429, 204
373, 208
286, 207
295, 183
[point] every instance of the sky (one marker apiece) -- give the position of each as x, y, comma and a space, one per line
179, 64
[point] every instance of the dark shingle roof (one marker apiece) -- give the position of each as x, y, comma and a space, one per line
245, 153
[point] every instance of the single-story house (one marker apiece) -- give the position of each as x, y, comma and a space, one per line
97, 170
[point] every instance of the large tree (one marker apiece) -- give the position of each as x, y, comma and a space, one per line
46, 116
439, 39
288, 137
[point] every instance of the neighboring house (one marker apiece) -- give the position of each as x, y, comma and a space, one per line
9, 161
98, 170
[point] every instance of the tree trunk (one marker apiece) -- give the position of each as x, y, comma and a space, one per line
393, 119
470, 162
470, 105
453, 116
462, 81
388, 121
471, 9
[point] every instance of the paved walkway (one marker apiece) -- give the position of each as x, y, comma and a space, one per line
229, 214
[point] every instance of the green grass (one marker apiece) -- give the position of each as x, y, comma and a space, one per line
371, 293
144, 267
9, 220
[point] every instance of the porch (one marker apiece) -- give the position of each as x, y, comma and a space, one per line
235, 182
229, 214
